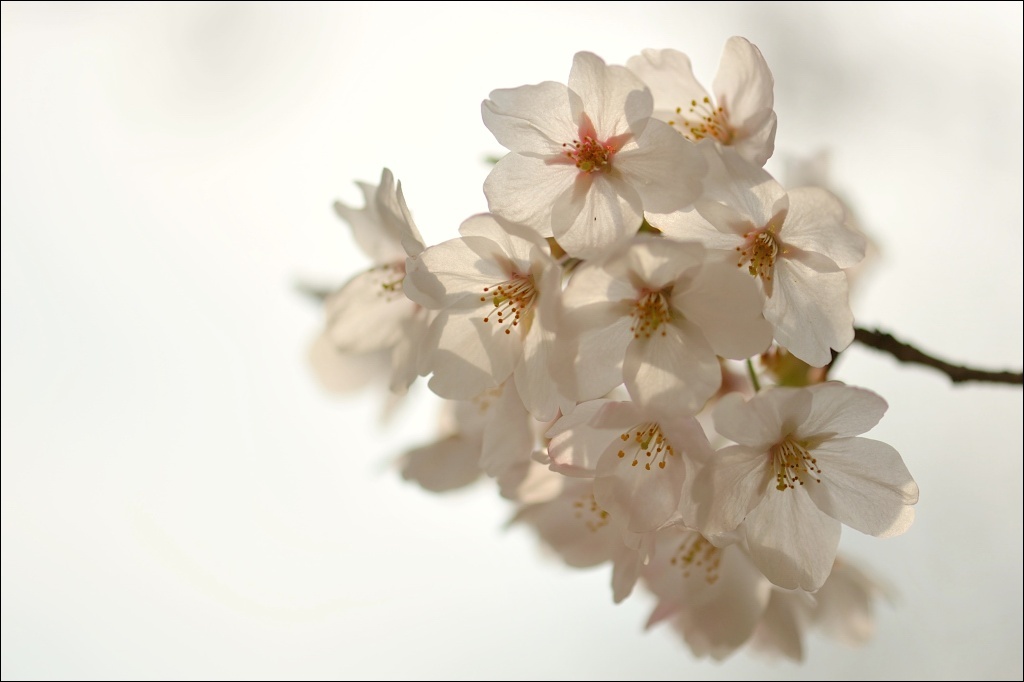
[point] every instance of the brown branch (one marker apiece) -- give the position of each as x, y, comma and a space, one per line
907, 353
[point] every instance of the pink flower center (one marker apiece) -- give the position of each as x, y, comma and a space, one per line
589, 154
793, 464
702, 120
513, 301
650, 446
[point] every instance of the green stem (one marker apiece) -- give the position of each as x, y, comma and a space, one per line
753, 376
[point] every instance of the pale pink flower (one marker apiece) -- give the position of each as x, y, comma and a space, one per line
490, 433
714, 596
739, 114
587, 160
795, 245
656, 317
584, 534
798, 472
638, 454
371, 313
497, 291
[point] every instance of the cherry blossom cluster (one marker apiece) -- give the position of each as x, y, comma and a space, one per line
634, 343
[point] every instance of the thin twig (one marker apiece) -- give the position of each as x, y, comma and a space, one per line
906, 353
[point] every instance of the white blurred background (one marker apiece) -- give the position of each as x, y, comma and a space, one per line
181, 498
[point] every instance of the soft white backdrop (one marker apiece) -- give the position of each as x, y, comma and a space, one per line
180, 498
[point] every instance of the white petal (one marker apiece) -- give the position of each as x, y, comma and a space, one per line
669, 75
728, 487
374, 233
445, 465
595, 353
763, 420
591, 284
523, 190
533, 374
838, 410
780, 631
594, 333
845, 604
756, 140
508, 439
865, 485
472, 355
809, 308
657, 263
531, 119
791, 540
675, 365
742, 185
400, 215
595, 215
364, 315
744, 86
726, 304
530, 482
684, 433
644, 497
574, 526
726, 233
446, 273
406, 356
665, 168
723, 620
614, 98
816, 222
645, 494
514, 243
625, 571
730, 222
576, 445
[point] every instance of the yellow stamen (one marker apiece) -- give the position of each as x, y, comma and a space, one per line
794, 464
651, 446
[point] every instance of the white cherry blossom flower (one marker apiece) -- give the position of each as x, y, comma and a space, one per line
795, 245
497, 291
798, 472
370, 312
492, 433
583, 534
714, 596
740, 114
587, 160
656, 317
637, 454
